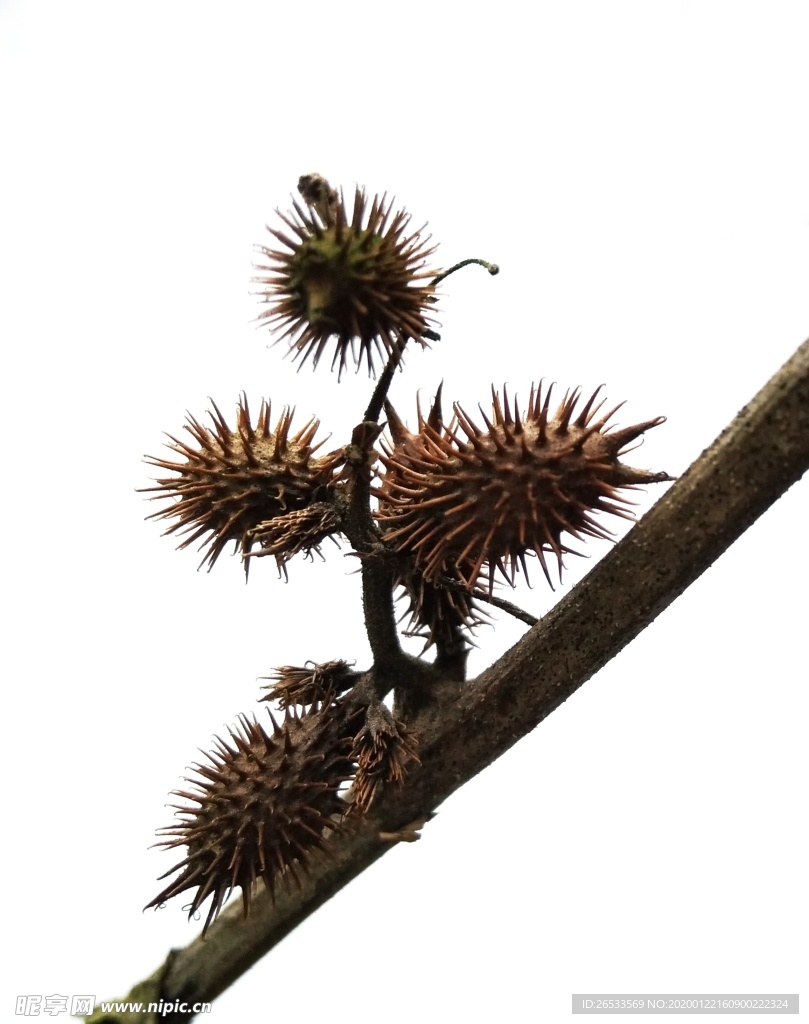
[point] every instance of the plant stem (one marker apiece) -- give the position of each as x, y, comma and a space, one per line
491, 267
375, 406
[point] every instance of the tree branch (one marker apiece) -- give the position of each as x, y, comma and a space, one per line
760, 455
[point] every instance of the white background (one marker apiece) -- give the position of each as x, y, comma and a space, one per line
639, 170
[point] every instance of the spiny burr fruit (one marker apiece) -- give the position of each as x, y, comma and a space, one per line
470, 500
301, 530
436, 610
262, 805
234, 482
382, 749
306, 684
352, 279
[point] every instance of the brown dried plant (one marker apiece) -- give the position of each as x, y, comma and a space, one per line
352, 278
459, 508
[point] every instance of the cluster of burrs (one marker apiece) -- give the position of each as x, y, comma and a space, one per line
441, 515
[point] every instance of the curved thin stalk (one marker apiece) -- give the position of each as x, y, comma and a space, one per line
375, 406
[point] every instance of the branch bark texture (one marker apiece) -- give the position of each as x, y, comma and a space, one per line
757, 458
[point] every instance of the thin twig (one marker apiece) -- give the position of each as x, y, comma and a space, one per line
491, 267
375, 564
497, 602
375, 406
